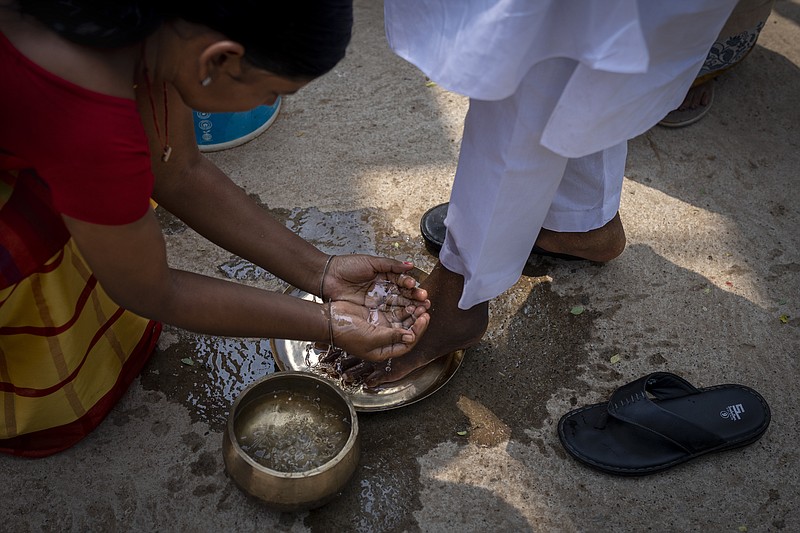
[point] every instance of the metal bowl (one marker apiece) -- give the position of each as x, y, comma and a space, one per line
292, 441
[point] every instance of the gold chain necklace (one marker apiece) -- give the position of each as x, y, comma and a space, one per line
167, 149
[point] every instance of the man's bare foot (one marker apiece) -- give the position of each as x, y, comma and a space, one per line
600, 245
450, 329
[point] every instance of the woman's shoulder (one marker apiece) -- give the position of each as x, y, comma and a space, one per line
108, 72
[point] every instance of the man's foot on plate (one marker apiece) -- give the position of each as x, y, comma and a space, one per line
450, 329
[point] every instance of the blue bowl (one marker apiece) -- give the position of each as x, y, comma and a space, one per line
219, 131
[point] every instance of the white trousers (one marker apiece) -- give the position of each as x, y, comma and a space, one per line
556, 89
507, 185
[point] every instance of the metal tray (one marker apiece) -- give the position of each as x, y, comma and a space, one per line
291, 355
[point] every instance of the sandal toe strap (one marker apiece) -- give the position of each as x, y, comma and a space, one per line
631, 403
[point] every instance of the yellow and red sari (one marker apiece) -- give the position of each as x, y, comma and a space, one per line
67, 352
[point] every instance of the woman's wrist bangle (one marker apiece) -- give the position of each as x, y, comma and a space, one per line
330, 325
322, 279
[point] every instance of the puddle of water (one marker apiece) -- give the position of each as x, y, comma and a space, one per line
378, 495
345, 232
242, 270
381, 497
230, 365
207, 373
363, 231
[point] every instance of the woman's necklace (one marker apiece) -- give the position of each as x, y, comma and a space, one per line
167, 149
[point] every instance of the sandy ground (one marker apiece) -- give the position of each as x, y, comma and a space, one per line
352, 163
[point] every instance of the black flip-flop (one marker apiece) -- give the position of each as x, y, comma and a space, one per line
433, 231
660, 421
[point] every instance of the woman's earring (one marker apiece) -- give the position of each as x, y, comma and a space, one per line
206, 82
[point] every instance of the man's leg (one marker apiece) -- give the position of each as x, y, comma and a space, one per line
583, 220
504, 186
599, 245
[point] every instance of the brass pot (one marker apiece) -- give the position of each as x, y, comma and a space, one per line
282, 489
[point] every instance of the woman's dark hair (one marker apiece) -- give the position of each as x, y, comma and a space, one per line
300, 39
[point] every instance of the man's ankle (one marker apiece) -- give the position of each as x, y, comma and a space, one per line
600, 245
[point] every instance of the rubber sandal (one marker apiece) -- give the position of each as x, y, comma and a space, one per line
680, 119
660, 421
541, 252
433, 231
432, 227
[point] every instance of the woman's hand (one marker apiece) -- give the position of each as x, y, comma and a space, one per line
376, 334
374, 282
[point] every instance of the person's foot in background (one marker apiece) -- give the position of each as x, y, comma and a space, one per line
694, 107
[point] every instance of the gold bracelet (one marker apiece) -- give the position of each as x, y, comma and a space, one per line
322, 279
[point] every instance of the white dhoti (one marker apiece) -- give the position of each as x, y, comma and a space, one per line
556, 89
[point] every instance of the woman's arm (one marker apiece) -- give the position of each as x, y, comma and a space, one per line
192, 188
200, 194
130, 263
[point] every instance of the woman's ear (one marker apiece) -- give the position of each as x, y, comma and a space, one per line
221, 57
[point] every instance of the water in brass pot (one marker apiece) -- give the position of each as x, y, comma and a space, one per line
294, 432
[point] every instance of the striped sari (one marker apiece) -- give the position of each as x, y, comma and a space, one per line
67, 352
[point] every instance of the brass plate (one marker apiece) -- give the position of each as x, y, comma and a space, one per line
291, 355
